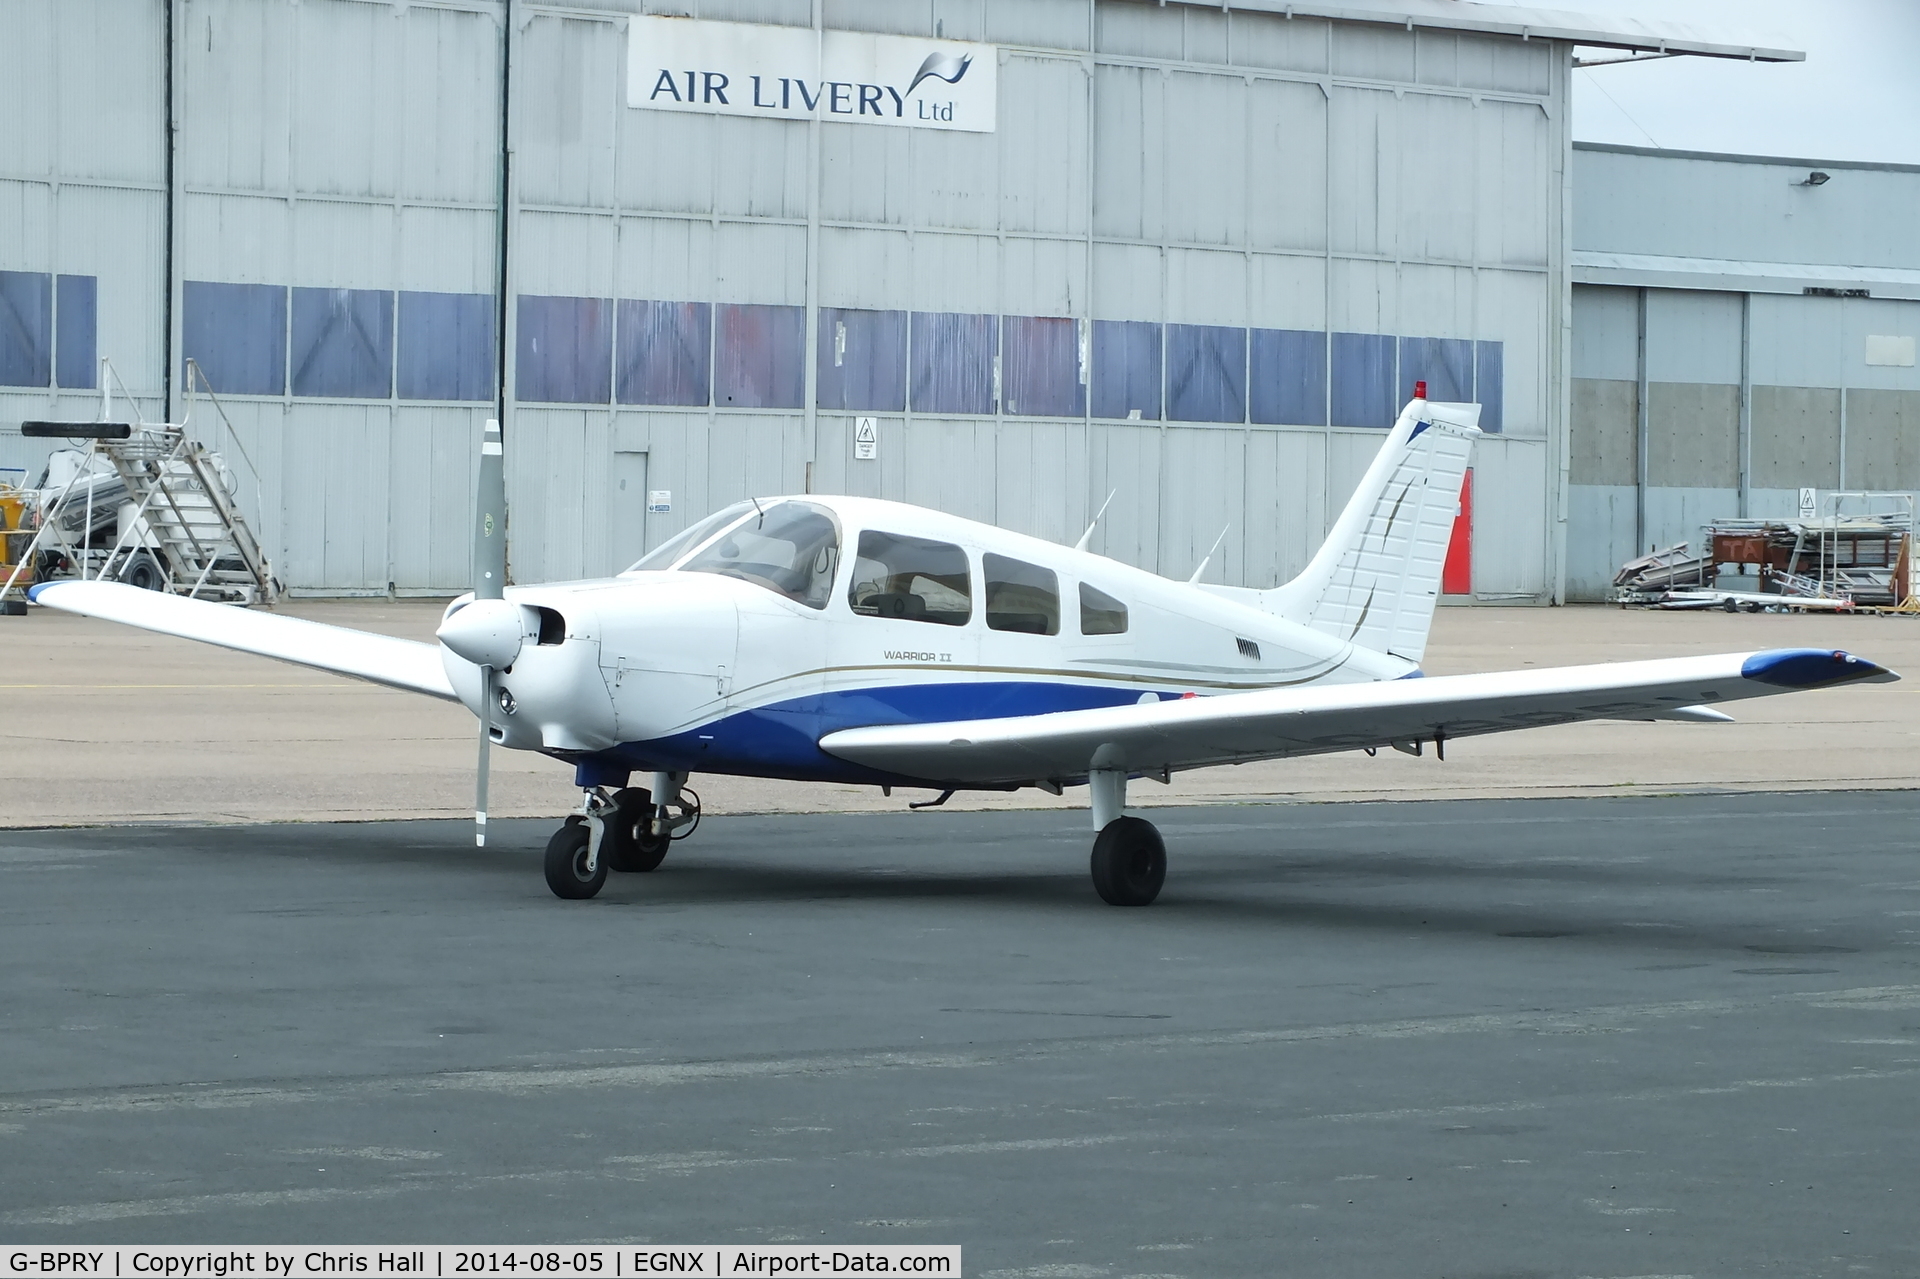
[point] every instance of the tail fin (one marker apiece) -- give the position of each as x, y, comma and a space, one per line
1376, 578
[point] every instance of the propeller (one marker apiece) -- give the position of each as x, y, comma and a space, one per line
488, 631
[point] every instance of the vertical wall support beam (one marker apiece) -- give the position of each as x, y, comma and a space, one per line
810, 395
1640, 431
1560, 358
170, 354
1746, 404
504, 320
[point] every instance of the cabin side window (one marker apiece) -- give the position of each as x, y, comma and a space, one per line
1100, 613
910, 579
1021, 597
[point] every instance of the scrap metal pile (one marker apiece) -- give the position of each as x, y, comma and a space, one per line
1837, 562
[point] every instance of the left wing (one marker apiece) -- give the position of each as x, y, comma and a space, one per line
380, 659
1283, 722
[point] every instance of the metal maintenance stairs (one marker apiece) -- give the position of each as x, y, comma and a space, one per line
185, 520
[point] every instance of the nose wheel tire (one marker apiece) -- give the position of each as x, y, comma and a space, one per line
567, 873
630, 844
1129, 862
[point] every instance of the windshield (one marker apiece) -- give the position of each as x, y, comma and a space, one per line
662, 556
792, 548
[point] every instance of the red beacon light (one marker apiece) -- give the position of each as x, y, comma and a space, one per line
1419, 390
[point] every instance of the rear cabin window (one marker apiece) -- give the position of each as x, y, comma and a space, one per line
911, 579
1100, 613
1021, 596
791, 548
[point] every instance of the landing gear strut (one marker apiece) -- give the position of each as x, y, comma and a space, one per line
1129, 859
626, 830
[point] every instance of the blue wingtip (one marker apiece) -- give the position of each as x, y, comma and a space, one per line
33, 592
1809, 667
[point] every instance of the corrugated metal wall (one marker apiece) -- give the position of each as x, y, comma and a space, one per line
1824, 411
1176, 191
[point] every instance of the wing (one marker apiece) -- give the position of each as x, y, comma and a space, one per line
382, 659
1278, 723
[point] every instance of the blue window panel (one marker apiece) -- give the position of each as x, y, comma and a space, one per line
761, 357
1363, 382
1206, 373
1126, 369
565, 350
862, 364
343, 343
26, 328
1444, 364
1040, 367
1490, 385
664, 353
953, 361
446, 346
76, 345
237, 334
1287, 377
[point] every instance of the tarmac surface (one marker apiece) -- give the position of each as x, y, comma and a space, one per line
1579, 1037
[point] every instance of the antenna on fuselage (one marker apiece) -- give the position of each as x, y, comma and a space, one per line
1087, 536
1207, 558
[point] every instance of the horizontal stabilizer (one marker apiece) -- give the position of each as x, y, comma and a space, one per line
381, 659
1284, 722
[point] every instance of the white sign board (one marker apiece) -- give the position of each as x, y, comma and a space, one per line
866, 438
797, 73
1809, 503
659, 501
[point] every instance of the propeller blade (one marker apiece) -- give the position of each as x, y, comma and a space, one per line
486, 758
490, 519
489, 583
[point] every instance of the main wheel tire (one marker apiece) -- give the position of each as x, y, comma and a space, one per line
567, 863
629, 843
1129, 862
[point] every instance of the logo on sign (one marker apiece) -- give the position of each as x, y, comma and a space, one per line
792, 73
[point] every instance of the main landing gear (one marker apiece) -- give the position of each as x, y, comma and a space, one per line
626, 830
1129, 860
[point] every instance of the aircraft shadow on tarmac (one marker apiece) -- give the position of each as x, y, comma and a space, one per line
1325, 886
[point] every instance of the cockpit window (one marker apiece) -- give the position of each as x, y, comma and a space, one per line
663, 556
791, 548
911, 579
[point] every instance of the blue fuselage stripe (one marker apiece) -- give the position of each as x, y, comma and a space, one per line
781, 739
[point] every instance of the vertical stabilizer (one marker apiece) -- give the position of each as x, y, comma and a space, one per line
1377, 577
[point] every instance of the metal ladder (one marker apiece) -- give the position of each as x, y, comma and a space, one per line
203, 544
185, 533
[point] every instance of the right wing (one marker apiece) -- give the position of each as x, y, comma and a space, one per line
1283, 722
381, 659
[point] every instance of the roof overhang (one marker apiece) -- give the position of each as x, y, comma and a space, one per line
1653, 271
1609, 31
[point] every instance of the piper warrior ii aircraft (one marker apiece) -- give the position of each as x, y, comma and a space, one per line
841, 639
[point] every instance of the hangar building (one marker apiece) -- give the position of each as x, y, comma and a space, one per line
1743, 329
1033, 251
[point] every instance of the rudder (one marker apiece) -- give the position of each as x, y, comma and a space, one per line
1376, 578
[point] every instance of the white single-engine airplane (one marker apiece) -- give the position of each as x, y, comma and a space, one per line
842, 639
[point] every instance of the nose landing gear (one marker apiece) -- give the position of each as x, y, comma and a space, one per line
626, 830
